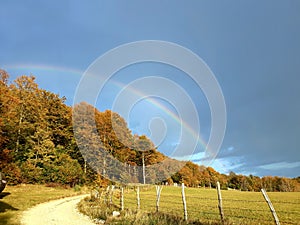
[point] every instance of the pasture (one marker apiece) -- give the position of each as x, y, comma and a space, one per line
202, 204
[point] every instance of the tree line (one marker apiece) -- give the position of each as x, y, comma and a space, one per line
40, 144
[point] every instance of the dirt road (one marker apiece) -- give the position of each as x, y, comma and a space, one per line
57, 212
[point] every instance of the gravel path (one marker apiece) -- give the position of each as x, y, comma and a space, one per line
57, 212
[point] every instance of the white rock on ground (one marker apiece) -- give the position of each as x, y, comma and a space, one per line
116, 213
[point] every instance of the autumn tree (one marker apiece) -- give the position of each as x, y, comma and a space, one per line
4, 98
35, 129
44, 140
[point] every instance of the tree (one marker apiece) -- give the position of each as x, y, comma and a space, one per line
26, 91
3, 105
38, 145
35, 128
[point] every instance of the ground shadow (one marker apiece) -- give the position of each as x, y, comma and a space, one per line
4, 207
4, 194
4, 219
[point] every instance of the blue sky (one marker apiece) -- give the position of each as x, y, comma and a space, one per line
252, 47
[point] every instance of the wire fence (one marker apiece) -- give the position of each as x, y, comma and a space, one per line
203, 205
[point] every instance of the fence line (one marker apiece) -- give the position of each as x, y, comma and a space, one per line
203, 208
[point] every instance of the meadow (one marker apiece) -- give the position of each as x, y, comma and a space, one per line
202, 205
14, 200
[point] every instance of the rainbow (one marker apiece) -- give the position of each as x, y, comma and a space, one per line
58, 71
186, 127
32, 68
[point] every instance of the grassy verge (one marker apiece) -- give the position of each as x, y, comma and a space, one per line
16, 199
97, 209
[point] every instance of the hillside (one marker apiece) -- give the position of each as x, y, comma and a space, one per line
38, 145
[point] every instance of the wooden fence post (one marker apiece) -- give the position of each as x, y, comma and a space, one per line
270, 206
101, 196
220, 202
158, 191
138, 198
184, 203
122, 199
107, 195
111, 194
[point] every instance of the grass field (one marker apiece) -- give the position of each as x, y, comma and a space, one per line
15, 199
202, 205
239, 207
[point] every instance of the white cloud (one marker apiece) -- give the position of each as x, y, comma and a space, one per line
226, 165
222, 165
280, 165
230, 149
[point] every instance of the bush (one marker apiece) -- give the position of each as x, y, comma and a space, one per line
31, 174
12, 174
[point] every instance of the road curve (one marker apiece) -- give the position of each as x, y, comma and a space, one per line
57, 212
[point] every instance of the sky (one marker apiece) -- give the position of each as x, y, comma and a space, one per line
252, 49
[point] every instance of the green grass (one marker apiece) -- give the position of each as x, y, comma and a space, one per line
16, 199
252, 207
239, 207
202, 204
